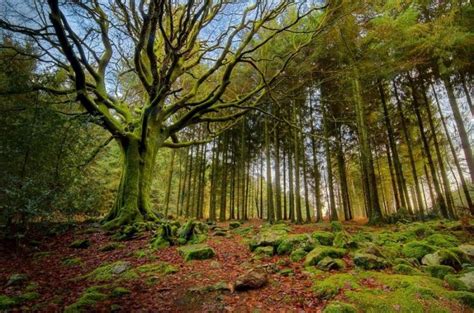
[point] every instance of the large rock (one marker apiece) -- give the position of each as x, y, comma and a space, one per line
270, 236
452, 257
323, 237
328, 264
468, 280
468, 250
253, 279
417, 249
344, 240
319, 253
438, 271
369, 261
264, 251
196, 252
291, 242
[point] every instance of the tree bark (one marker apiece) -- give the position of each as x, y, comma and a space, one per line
460, 125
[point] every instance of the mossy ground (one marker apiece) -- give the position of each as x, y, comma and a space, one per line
132, 275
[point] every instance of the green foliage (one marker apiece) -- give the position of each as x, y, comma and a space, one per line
417, 249
339, 307
89, 298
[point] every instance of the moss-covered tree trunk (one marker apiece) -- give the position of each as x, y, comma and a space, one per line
132, 202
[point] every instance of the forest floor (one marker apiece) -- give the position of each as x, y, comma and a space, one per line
365, 269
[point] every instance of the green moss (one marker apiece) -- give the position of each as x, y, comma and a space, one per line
319, 253
80, 244
118, 292
331, 286
417, 249
438, 271
159, 242
243, 230
196, 252
233, 225
89, 298
114, 271
7, 302
400, 293
264, 251
323, 237
464, 297
298, 254
157, 268
292, 242
286, 272
442, 241
17, 279
328, 264
369, 261
72, 261
344, 240
112, 246
453, 257
336, 226
339, 307
406, 270
455, 283
40, 255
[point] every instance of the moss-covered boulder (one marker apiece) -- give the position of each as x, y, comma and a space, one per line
406, 270
269, 236
369, 261
17, 279
442, 240
266, 251
468, 280
438, 271
468, 250
455, 283
323, 237
339, 307
80, 244
87, 301
330, 286
291, 242
319, 253
196, 252
234, 224
298, 254
453, 257
112, 271
417, 249
328, 264
344, 240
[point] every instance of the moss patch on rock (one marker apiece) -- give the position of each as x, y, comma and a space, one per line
196, 252
319, 253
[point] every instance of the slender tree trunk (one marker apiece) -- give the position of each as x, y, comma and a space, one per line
330, 184
460, 125
170, 180
400, 178
341, 165
277, 175
464, 185
408, 141
468, 94
299, 215
306, 191
270, 215
375, 212
285, 208
440, 198
223, 190
439, 156
290, 183
392, 178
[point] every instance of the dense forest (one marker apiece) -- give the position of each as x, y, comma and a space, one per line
236, 155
